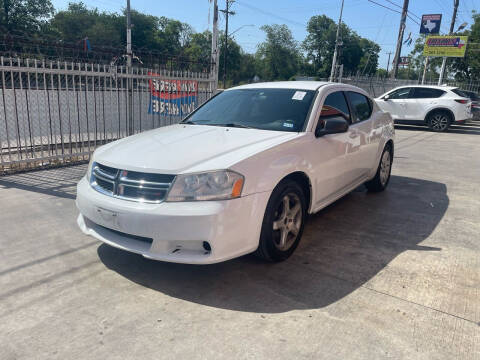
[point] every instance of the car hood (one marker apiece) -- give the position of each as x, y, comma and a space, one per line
188, 148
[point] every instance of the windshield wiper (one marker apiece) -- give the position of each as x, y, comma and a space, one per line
189, 122
234, 125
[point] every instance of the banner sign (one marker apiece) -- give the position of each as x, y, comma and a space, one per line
450, 46
404, 60
172, 97
431, 24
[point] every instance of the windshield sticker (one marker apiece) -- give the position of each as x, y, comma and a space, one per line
288, 125
299, 95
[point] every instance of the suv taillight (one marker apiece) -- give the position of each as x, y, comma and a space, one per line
462, 101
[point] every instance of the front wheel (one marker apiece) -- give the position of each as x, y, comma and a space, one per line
283, 222
382, 177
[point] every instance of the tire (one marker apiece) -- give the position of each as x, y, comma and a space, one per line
382, 176
439, 121
282, 228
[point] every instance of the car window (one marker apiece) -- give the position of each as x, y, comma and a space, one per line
335, 105
399, 94
267, 109
426, 93
360, 104
473, 96
465, 94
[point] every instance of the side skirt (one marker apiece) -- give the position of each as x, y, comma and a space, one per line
339, 194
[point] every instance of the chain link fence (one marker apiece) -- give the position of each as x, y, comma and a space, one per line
59, 112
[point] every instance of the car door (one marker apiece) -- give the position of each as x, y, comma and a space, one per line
394, 102
332, 164
362, 131
419, 100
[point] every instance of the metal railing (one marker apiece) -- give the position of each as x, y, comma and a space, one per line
59, 112
377, 86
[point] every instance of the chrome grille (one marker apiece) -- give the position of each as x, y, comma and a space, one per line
130, 185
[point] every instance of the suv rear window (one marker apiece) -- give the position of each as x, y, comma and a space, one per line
426, 93
462, 93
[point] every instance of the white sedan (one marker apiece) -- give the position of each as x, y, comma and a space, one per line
239, 175
438, 107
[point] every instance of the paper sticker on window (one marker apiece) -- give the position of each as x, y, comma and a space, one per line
299, 95
288, 125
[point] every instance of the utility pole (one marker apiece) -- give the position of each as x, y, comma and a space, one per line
227, 12
452, 25
215, 52
129, 70
425, 70
334, 61
388, 62
400, 38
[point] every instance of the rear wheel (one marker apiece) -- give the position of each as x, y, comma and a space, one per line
382, 177
439, 121
283, 222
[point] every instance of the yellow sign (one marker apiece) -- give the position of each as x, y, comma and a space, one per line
450, 46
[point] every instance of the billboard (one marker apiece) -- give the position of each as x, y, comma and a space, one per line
172, 97
450, 46
431, 24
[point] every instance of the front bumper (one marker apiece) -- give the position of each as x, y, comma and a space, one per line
174, 232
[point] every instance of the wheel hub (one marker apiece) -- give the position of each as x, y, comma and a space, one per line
287, 222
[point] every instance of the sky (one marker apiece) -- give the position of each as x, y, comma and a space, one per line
369, 20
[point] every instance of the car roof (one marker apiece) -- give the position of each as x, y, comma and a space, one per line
299, 85
441, 87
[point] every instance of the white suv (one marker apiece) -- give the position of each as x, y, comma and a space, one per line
435, 106
238, 175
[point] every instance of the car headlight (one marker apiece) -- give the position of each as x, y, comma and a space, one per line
215, 185
89, 169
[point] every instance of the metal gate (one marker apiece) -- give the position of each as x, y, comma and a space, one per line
58, 112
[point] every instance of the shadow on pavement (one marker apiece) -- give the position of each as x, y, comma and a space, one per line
60, 182
471, 128
344, 246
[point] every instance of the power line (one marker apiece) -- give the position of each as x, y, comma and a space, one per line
411, 13
398, 12
251, 7
386, 7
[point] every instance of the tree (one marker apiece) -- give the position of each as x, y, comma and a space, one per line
234, 58
198, 50
468, 68
417, 63
279, 54
320, 44
24, 17
78, 22
356, 53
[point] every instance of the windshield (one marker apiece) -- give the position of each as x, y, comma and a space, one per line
267, 109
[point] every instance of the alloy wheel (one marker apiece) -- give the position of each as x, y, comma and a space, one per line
287, 221
439, 122
385, 166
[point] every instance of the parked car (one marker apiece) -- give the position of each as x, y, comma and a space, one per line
239, 175
438, 107
475, 103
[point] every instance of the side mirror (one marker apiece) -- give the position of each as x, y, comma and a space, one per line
386, 97
334, 125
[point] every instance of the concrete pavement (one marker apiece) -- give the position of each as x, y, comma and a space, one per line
391, 275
